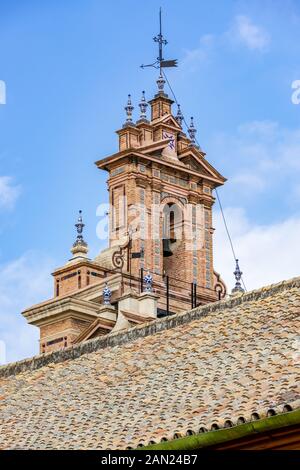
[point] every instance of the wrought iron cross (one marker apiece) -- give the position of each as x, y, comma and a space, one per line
160, 62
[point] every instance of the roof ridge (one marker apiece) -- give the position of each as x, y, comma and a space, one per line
143, 330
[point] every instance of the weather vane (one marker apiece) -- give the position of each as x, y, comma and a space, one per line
160, 62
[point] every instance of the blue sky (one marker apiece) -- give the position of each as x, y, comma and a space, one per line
68, 67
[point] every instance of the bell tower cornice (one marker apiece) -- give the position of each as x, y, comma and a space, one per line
202, 169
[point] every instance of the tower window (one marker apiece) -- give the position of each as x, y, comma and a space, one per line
172, 227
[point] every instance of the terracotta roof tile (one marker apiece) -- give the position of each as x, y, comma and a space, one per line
201, 369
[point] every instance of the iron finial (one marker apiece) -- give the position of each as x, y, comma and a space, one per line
161, 41
238, 276
129, 109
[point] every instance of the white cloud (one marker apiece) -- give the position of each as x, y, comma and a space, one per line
264, 129
251, 35
8, 192
249, 181
267, 253
23, 282
263, 156
243, 31
193, 57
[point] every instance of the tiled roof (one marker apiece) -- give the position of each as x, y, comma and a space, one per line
212, 367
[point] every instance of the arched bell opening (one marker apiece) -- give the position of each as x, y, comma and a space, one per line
172, 228
173, 244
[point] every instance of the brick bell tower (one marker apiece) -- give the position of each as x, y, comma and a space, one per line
160, 188
160, 255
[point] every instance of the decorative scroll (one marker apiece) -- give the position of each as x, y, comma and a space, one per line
118, 257
219, 286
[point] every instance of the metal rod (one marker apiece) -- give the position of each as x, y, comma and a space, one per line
108, 271
167, 284
142, 280
129, 259
192, 294
122, 284
160, 37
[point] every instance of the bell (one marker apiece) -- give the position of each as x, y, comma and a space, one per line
166, 248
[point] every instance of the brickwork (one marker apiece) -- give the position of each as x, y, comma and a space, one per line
160, 219
75, 277
142, 191
60, 334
